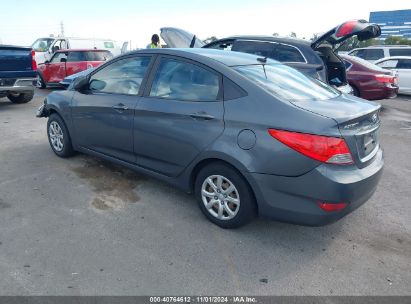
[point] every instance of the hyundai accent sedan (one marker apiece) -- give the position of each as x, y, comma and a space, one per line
247, 135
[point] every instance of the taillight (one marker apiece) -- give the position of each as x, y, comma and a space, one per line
33, 60
330, 207
385, 78
332, 150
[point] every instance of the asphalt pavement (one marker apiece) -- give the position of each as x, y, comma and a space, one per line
82, 226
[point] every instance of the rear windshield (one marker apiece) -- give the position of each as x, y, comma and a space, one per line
287, 83
98, 56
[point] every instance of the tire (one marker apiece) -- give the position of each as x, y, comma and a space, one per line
241, 213
21, 97
356, 92
59, 137
40, 84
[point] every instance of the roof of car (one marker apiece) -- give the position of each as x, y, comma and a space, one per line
290, 40
80, 50
224, 57
393, 57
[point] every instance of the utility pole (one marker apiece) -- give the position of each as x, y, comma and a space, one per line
62, 28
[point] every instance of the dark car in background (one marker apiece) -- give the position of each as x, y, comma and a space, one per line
245, 136
316, 58
368, 80
17, 73
68, 62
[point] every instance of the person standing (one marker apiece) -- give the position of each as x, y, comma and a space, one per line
155, 42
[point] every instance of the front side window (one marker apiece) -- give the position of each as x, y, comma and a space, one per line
287, 83
57, 58
121, 77
259, 48
400, 52
388, 64
287, 53
184, 81
373, 54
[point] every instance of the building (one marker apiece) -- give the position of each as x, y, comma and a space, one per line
393, 23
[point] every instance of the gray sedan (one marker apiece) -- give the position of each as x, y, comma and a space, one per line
247, 135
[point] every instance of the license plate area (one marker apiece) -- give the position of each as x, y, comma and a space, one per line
367, 144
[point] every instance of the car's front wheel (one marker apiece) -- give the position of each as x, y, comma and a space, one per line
59, 137
224, 196
40, 82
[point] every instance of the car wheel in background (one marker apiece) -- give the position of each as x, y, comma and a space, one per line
40, 82
20, 97
224, 196
59, 137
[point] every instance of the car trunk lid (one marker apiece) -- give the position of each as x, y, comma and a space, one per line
358, 122
360, 28
178, 38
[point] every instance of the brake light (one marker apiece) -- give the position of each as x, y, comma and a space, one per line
332, 150
33, 60
346, 29
330, 207
385, 78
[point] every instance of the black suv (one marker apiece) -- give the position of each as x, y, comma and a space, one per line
316, 58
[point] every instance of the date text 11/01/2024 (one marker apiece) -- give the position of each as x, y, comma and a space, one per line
203, 299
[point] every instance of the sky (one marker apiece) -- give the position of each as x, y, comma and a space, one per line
23, 21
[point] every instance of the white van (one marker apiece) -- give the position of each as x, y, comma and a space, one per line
45, 47
373, 53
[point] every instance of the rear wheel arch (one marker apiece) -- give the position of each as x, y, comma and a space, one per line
208, 161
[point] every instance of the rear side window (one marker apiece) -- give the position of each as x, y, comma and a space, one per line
404, 64
400, 52
287, 53
224, 45
180, 80
76, 56
98, 56
259, 48
121, 77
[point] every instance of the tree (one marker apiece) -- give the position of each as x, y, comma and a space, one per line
395, 40
293, 34
276, 34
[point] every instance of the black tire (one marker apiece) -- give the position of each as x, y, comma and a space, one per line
21, 97
356, 92
247, 208
67, 148
40, 84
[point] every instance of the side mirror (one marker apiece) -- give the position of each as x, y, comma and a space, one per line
63, 60
80, 83
55, 48
47, 62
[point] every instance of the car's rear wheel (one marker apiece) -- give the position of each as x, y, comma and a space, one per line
20, 97
40, 82
224, 196
59, 137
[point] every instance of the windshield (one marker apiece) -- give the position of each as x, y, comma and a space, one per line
287, 83
42, 44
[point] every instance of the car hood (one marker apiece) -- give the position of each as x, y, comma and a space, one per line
342, 108
360, 28
178, 38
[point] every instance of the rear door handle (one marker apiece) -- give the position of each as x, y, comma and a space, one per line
120, 107
201, 115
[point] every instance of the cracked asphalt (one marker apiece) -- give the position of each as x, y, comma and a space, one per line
82, 226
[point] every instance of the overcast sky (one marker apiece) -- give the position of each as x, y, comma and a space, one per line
22, 21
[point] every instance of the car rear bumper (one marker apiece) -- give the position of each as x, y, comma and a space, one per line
17, 85
380, 92
296, 199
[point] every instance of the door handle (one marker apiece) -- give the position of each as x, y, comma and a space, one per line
120, 107
202, 115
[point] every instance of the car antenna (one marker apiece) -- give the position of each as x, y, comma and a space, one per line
262, 59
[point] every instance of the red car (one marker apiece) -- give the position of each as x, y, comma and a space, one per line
368, 80
68, 62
